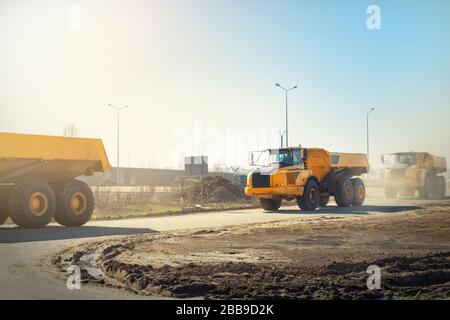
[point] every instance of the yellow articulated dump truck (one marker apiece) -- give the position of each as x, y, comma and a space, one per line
37, 178
408, 172
309, 175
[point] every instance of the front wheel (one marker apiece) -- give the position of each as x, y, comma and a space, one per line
311, 196
425, 191
270, 204
74, 203
390, 193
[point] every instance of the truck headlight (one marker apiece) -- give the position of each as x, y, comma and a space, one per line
249, 180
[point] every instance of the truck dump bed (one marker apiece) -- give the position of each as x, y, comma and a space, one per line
439, 163
350, 164
49, 158
350, 160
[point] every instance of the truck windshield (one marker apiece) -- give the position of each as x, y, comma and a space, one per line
405, 158
400, 158
283, 157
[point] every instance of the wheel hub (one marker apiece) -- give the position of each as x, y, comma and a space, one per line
38, 204
78, 203
349, 192
360, 192
312, 195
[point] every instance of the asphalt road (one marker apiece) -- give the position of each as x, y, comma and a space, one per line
26, 272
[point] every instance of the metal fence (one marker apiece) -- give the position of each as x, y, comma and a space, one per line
126, 195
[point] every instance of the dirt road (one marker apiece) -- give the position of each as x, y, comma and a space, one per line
26, 270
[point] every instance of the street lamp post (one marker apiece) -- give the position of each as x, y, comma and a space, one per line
118, 138
281, 134
286, 94
367, 119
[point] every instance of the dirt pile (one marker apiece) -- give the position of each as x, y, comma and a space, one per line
215, 189
415, 277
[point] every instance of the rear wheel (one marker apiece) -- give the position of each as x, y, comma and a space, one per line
74, 203
311, 196
3, 216
390, 193
270, 204
438, 187
344, 193
360, 191
31, 204
324, 201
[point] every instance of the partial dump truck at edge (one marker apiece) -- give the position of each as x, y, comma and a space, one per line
309, 175
37, 178
410, 172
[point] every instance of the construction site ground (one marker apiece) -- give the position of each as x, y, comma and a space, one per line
323, 254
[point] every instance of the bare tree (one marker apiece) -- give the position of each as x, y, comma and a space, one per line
70, 130
218, 167
235, 169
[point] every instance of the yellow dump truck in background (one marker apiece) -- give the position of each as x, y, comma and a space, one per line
408, 172
37, 178
309, 175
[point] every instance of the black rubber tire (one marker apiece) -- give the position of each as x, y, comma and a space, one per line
311, 196
410, 193
344, 193
64, 214
270, 204
323, 202
434, 188
425, 192
443, 189
439, 187
422, 194
4, 213
19, 199
390, 193
360, 191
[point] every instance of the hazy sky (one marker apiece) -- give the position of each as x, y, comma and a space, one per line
198, 75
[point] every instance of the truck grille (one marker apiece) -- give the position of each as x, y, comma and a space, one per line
397, 173
260, 180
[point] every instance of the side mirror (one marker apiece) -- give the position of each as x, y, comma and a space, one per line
303, 154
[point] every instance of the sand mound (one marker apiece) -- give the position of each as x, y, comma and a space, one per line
215, 189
